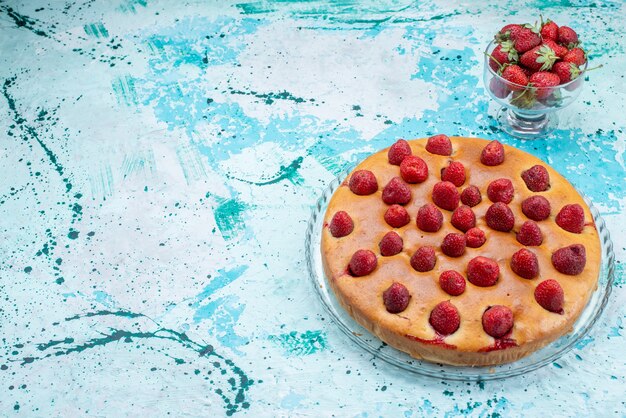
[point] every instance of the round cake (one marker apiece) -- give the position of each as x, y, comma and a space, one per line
459, 250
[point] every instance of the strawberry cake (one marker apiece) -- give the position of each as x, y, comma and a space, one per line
460, 250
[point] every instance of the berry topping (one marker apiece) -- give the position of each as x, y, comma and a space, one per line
482, 271
570, 260
413, 169
453, 245
445, 318
454, 173
475, 238
463, 218
471, 196
492, 154
530, 234
445, 195
396, 216
439, 144
500, 190
497, 321
398, 152
341, 224
429, 218
524, 263
424, 259
396, 298
363, 182
571, 218
452, 282
391, 244
396, 191
362, 263
536, 208
536, 178
500, 217
549, 295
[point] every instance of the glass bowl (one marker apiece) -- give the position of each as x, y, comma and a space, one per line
372, 344
528, 112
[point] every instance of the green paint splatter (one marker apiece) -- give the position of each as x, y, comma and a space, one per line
269, 98
73, 234
28, 269
130, 6
309, 342
238, 383
620, 279
125, 92
52, 343
96, 30
448, 393
289, 173
229, 216
22, 21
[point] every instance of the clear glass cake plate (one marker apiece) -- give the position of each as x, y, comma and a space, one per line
369, 342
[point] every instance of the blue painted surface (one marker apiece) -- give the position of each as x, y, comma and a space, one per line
159, 163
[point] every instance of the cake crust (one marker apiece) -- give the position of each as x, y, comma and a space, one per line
410, 330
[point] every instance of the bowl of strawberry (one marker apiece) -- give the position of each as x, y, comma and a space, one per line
533, 71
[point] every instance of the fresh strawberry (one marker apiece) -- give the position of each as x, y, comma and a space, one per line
540, 58
568, 37
526, 38
502, 54
499, 88
559, 50
567, 71
543, 83
527, 71
550, 30
575, 55
514, 74
506, 32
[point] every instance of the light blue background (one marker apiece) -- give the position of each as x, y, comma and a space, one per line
159, 162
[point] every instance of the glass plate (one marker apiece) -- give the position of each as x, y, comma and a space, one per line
377, 348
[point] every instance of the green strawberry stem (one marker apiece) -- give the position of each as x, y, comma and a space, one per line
594, 68
500, 65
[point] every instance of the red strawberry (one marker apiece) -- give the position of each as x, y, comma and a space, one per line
502, 54
559, 50
576, 55
525, 39
498, 88
567, 71
506, 32
540, 58
515, 75
543, 83
527, 71
567, 36
550, 30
